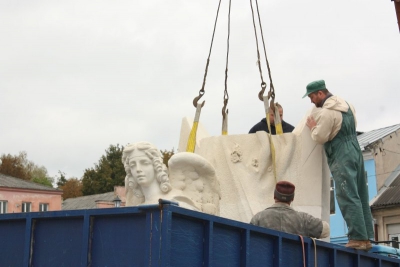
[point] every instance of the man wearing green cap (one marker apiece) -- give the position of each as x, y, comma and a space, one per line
333, 124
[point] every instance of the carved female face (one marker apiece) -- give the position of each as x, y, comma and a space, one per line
142, 168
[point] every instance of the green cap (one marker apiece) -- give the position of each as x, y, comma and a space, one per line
315, 86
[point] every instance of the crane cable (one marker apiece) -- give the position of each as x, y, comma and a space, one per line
271, 93
277, 121
226, 96
191, 144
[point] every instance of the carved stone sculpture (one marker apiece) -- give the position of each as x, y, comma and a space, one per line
191, 181
243, 164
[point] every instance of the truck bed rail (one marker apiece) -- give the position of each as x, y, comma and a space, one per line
164, 235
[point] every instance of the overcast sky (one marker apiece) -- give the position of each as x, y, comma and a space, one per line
78, 76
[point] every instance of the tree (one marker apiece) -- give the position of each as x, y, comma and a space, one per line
15, 166
43, 181
39, 175
20, 167
167, 155
71, 188
61, 180
109, 172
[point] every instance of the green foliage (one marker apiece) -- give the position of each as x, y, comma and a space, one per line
15, 166
43, 181
167, 155
39, 175
20, 167
71, 188
61, 180
109, 172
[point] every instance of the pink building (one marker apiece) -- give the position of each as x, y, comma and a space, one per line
17, 195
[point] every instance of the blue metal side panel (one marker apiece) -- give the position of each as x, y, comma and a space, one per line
263, 245
187, 242
226, 246
155, 237
346, 259
368, 262
166, 237
292, 252
325, 254
12, 240
232, 243
57, 242
85, 240
385, 263
119, 240
245, 247
208, 246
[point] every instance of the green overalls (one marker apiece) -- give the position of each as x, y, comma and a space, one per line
347, 167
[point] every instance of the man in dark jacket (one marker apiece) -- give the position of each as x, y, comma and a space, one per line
262, 125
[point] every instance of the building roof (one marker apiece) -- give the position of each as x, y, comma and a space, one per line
86, 202
12, 182
371, 137
390, 195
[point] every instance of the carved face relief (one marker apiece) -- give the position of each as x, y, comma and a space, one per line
142, 168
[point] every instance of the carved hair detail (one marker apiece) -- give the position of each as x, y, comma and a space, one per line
159, 167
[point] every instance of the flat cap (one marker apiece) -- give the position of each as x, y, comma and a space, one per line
315, 86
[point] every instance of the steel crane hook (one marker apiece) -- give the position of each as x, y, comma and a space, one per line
197, 98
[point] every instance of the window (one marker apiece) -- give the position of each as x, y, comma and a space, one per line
26, 206
43, 207
332, 194
393, 231
3, 206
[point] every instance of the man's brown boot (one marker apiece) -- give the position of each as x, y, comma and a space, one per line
368, 245
357, 244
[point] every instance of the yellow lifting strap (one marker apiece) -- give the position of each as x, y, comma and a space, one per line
225, 115
191, 144
225, 124
277, 121
266, 107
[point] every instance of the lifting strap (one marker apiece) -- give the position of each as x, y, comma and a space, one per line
224, 121
272, 147
271, 93
277, 121
226, 96
192, 137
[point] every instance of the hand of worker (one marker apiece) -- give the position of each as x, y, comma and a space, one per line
311, 123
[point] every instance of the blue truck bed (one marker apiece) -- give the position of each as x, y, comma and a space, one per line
164, 235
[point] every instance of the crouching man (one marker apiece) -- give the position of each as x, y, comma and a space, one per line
282, 217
